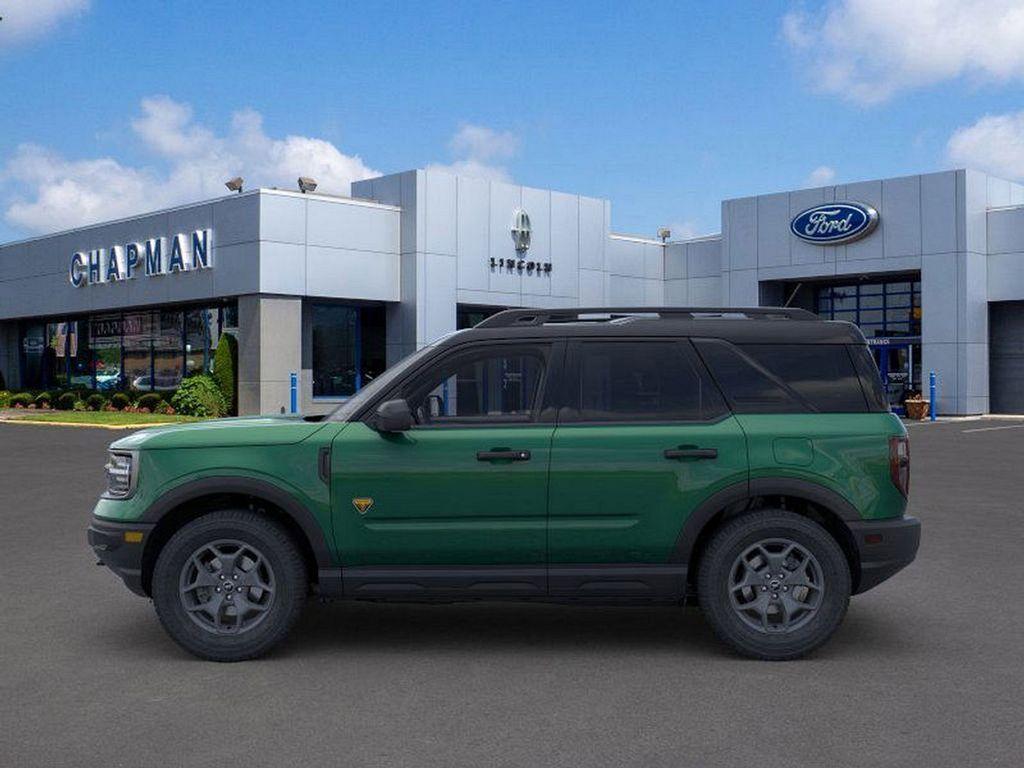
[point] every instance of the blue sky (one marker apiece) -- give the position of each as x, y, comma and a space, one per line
109, 107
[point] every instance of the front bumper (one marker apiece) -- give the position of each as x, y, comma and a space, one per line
883, 548
121, 553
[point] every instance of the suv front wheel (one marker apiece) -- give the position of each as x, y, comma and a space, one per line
229, 585
773, 585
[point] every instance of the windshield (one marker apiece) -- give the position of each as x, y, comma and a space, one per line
345, 411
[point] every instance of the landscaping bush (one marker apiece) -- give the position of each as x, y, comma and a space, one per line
199, 396
225, 368
22, 399
95, 402
5, 398
150, 400
120, 401
164, 408
66, 402
80, 405
43, 400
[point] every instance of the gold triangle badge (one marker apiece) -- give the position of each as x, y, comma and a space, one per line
362, 505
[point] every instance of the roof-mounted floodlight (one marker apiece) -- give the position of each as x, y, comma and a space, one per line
306, 184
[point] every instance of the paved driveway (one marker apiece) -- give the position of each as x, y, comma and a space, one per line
926, 671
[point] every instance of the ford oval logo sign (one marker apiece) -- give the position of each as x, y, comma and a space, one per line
834, 223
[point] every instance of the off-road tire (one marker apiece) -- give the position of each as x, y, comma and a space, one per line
720, 557
282, 556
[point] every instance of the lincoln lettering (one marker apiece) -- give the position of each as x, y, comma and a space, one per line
182, 252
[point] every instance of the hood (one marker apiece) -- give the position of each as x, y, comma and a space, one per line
223, 433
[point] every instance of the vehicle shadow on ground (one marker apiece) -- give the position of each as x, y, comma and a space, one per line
338, 627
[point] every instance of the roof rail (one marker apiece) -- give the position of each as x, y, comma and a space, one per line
525, 317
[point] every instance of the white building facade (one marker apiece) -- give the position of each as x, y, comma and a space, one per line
327, 291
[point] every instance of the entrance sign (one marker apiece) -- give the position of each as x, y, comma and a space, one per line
834, 223
156, 256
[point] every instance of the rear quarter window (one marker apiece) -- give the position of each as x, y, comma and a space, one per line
786, 378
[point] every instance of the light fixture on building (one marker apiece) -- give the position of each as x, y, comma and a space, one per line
664, 233
235, 184
306, 184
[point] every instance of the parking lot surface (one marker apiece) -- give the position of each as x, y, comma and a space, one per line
926, 671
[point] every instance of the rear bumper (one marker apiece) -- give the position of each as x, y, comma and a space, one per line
123, 557
884, 547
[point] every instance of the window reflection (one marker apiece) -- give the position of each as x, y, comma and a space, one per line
142, 350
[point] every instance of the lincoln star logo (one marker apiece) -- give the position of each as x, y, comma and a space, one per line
521, 230
834, 223
362, 505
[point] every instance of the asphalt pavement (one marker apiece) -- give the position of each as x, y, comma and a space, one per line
926, 671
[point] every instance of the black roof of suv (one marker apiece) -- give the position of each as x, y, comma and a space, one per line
738, 324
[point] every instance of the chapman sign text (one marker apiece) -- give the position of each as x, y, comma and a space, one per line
156, 256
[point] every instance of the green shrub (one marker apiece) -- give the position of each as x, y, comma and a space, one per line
43, 400
149, 400
66, 402
80, 405
225, 367
5, 398
120, 401
95, 402
199, 396
24, 399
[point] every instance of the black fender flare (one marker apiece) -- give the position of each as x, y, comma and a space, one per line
247, 486
744, 491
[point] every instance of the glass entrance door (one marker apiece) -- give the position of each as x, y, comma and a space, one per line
896, 366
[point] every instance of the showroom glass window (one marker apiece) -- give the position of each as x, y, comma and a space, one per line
886, 308
105, 339
143, 350
348, 347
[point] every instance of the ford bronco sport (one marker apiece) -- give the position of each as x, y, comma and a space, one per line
743, 459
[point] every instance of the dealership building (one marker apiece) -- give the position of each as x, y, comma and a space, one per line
326, 291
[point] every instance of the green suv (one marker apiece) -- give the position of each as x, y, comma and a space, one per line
745, 460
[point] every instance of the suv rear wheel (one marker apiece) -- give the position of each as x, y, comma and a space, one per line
229, 585
773, 585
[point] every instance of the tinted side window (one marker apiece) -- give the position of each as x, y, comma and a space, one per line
749, 387
641, 380
781, 378
822, 374
870, 379
492, 384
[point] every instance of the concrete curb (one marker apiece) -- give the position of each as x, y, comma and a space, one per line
86, 426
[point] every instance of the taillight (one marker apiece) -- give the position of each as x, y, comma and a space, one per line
899, 463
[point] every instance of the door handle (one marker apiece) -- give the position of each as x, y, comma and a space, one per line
691, 453
502, 453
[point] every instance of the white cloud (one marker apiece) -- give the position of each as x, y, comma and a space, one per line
481, 143
994, 143
48, 192
479, 151
685, 230
820, 176
25, 20
868, 50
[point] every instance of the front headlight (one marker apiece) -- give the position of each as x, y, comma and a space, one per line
122, 469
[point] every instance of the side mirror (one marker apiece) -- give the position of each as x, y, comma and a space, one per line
393, 416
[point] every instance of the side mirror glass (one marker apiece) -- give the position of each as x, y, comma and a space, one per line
393, 416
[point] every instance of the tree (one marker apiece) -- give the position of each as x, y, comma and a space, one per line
225, 371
